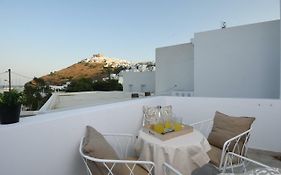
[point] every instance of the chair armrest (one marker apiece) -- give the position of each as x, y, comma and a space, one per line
234, 141
201, 122
110, 163
204, 126
167, 168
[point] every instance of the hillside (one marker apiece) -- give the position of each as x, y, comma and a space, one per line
75, 71
96, 67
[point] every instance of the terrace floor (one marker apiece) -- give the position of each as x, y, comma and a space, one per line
267, 158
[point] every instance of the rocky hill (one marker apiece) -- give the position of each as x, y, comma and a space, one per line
95, 67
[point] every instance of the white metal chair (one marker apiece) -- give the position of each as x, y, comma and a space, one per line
121, 144
237, 144
250, 167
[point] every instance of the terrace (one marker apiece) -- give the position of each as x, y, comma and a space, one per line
48, 143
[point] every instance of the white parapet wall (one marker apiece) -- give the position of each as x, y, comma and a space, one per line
266, 111
48, 143
51, 102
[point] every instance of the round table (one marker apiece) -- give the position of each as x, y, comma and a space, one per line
185, 153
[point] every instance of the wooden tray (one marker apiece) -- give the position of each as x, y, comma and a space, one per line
186, 129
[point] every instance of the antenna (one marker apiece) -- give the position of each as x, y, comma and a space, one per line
223, 24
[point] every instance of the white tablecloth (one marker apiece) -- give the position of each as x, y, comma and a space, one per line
185, 153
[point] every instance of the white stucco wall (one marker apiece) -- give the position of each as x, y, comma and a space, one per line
48, 143
266, 127
139, 81
174, 68
241, 61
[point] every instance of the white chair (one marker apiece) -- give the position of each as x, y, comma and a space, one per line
110, 164
237, 143
250, 167
108, 154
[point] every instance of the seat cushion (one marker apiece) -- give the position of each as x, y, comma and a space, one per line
215, 155
225, 127
96, 146
138, 170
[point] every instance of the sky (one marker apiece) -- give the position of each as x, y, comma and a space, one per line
38, 37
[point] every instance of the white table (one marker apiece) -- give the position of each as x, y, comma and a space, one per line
185, 153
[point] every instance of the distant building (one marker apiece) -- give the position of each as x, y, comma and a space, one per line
174, 69
138, 81
59, 88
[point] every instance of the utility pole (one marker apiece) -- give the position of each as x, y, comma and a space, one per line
9, 70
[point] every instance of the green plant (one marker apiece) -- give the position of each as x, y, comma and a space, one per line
11, 98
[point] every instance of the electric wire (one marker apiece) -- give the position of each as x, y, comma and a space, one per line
23, 76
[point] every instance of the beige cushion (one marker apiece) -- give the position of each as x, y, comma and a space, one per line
215, 155
96, 146
138, 170
226, 127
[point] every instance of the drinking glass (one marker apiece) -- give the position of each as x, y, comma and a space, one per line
177, 123
159, 127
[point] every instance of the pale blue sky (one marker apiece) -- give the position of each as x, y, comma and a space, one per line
37, 37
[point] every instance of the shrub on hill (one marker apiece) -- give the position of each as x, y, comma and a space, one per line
108, 85
36, 93
86, 84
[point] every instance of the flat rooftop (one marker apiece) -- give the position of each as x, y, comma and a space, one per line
73, 100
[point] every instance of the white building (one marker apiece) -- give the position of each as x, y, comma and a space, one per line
242, 61
174, 69
138, 81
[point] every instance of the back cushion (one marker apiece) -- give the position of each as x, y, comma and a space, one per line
96, 146
226, 127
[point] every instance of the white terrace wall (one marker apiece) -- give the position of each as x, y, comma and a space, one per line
242, 61
48, 143
174, 69
266, 128
139, 81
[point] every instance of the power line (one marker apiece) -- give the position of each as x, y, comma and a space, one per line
3, 73
23, 76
